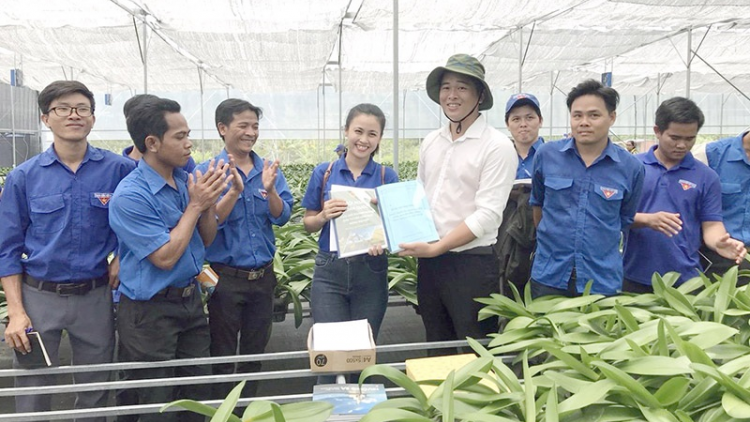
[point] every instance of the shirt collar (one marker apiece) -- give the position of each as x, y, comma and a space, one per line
535, 146
609, 151
223, 155
369, 167
50, 155
154, 180
257, 162
474, 131
649, 157
737, 151
126, 152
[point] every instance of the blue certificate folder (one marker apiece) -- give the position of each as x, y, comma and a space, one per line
348, 399
406, 214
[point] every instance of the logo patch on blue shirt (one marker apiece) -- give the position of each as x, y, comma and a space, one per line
263, 193
103, 197
686, 184
608, 192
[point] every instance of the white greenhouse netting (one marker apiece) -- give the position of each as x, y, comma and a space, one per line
295, 45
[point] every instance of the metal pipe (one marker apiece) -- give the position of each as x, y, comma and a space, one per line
395, 85
551, 97
689, 61
520, 59
341, 86
145, 57
200, 82
13, 113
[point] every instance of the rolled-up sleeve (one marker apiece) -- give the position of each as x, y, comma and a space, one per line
495, 184
286, 197
137, 224
14, 214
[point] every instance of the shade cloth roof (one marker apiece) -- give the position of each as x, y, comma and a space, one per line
295, 45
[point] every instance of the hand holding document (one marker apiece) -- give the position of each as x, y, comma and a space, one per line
401, 215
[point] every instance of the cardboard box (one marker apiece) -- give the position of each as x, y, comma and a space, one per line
338, 361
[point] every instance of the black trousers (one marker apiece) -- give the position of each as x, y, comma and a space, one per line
163, 329
244, 307
717, 264
446, 288
635, 287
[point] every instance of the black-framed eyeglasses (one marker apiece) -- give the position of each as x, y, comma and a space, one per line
65, 111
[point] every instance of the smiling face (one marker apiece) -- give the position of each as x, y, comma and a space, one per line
363, 136
590, 121
675, 142
241, 134
72, 128
523, 124
458, 95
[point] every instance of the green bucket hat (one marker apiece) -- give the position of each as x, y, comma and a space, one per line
465, 65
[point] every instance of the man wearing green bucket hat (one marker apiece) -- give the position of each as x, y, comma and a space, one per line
467, 168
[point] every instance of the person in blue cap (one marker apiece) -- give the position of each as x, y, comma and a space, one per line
523, 117
467, 168
54, 243
517, 234
585, 191
340, 150
680, 205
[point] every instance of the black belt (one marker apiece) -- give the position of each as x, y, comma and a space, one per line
479, 250
78, 288
176, 292
240, 273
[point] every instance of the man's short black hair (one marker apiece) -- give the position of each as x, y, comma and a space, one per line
59, 89
149, 118
135, 101
228, 108
678, 110
593, 87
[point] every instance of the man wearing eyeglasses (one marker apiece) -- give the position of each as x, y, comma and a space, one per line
54, 243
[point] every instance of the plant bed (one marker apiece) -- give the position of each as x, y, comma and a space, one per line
680, 354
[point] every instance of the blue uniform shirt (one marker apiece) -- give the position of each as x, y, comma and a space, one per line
143, 210
246, 238
189, 167
728, 158
690, 189
58, 218
584, 209
341, 175
525, 165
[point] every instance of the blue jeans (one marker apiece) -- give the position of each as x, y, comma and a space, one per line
349, 289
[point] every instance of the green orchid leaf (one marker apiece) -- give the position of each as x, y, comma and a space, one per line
672, 391
657, 366
725, 381
591, 394
394, 415
735, 407
397, 377
638, 391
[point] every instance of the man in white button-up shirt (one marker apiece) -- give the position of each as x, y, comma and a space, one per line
468, 169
